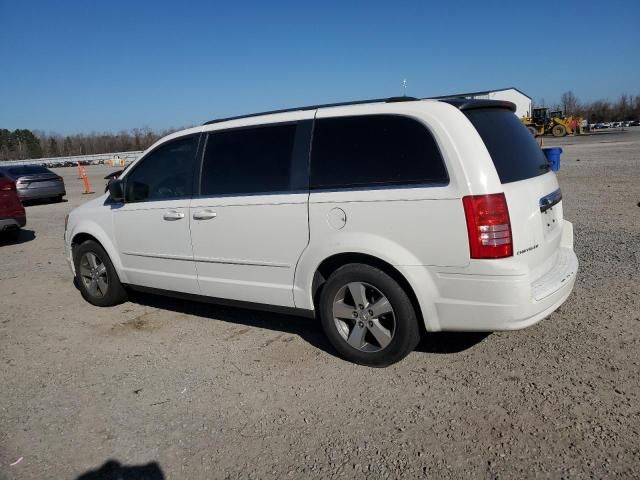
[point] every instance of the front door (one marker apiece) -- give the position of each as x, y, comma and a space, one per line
152, 226
250, 224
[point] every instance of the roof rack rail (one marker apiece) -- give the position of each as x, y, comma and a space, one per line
465, 104
313, 107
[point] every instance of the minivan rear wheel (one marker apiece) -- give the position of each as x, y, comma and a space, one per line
96, 277
367, 316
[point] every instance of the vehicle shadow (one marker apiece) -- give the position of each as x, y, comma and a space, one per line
23, 236
309, 329
114, 470
306, 328
43, 201
450, 342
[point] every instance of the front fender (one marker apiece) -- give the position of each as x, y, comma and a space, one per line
97, 230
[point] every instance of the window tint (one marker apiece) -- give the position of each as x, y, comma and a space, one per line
249, 160
515, 153
28, 170
374, 150
165, 173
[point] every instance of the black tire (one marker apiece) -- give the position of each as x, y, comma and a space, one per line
115, 293
558, 131
532, 131
406, 332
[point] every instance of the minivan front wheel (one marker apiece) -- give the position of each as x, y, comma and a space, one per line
367, 316
96, 277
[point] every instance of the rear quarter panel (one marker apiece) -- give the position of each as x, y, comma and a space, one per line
408, 226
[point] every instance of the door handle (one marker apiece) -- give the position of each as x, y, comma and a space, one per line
172, 215
204, 215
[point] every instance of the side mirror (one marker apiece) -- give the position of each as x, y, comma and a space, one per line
116, 190
113, 175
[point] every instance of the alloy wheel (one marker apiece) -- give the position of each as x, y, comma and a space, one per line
364, 317
93, 273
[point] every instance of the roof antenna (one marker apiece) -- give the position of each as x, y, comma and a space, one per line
404, 87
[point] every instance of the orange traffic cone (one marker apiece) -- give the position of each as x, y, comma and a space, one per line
85, 180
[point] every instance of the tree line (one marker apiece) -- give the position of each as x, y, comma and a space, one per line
23, 144
626, 107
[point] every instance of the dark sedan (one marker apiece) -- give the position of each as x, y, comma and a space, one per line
34, 182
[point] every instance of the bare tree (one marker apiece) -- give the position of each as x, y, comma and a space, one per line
569, 103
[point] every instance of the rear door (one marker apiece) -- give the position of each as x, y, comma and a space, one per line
250, 223
531, 189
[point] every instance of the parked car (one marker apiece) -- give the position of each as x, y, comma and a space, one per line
634, 123
12, 214
379, 218
600, 126
34, 182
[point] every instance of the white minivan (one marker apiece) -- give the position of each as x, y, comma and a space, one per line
383, 219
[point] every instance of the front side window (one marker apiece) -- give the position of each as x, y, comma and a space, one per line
249, 160
166, 173
374, 150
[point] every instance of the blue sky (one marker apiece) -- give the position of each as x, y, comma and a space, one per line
80, 66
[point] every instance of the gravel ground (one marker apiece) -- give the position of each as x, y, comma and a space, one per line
183, 390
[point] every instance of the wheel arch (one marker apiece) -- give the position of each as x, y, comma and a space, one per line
81, 237
416, 281
91, 231
332, 263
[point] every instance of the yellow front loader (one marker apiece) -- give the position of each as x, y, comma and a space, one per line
543, 122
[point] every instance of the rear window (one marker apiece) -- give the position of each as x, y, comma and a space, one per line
27, 170
515, 152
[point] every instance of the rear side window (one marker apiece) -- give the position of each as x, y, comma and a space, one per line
515, 152
374, 150
249, 160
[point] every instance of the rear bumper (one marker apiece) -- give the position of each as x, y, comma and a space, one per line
493, 303
44, 192
10, 223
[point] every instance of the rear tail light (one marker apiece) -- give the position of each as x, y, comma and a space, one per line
488, 226
7, 186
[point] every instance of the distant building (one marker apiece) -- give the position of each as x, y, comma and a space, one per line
522, 101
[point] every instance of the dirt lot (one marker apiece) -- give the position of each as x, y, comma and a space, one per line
211, 392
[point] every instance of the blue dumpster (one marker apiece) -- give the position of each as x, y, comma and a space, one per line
553, 156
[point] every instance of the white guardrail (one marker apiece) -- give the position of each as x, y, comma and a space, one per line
117, 158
